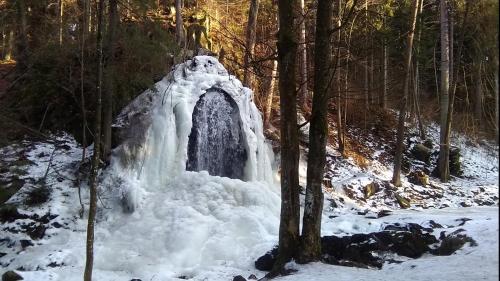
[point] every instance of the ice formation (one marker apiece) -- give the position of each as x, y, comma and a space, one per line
157, 131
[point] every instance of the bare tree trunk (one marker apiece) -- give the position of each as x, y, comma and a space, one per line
385, 72
250, 42
22, 37
303, 91
83, 30
179, 24
478, 93
416, 92
61, 14
445, 85
340, 136
398, 158
445, 172
270, 94
318, 133
89, 263
108, 78
290, 208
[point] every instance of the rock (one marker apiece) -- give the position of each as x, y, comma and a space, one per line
239, 278
252, 277
428, 143
419, 178
26, 243
451, 243
36, 232
370, 189
266, 262
403, 202
9, 213
11, 276
421, 152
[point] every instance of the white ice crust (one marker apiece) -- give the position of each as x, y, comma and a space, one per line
157, 125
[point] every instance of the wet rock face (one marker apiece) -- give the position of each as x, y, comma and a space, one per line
216, 142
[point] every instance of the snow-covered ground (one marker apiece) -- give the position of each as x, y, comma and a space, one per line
210, 228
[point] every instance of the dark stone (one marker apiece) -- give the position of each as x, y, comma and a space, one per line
428, 143
266, 262
384, 213
239, 278
36, 232
11, 276
216, 142
452, 242
26, 243
56, 225
135, 279
252, 277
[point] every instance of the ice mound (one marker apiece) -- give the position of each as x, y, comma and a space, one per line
154, 131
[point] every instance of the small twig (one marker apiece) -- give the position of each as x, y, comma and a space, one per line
50, 162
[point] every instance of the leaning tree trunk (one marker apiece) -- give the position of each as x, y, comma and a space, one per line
303, 90
89, 263
290, 208
445, 86
250, 42
396, 177
108, 78
318, 133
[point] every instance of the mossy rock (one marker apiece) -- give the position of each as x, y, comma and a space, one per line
421, 152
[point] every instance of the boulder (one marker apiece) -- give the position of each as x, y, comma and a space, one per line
421, 152
11, 276
239, 278
370, 189
266, 262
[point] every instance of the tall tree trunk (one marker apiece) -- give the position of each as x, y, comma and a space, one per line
89, 263
22, 37
366, 85
250, 42
108, 78
445, 172
416, 91
340, 125
61, 14
396, 177
385, 59
478, 92
303, 91
290, 208
83, 34
445, 87
318, 133
179, 24
270, 94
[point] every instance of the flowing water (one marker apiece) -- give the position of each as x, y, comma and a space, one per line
216, 142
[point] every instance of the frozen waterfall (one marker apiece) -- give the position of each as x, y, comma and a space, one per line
197, 118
